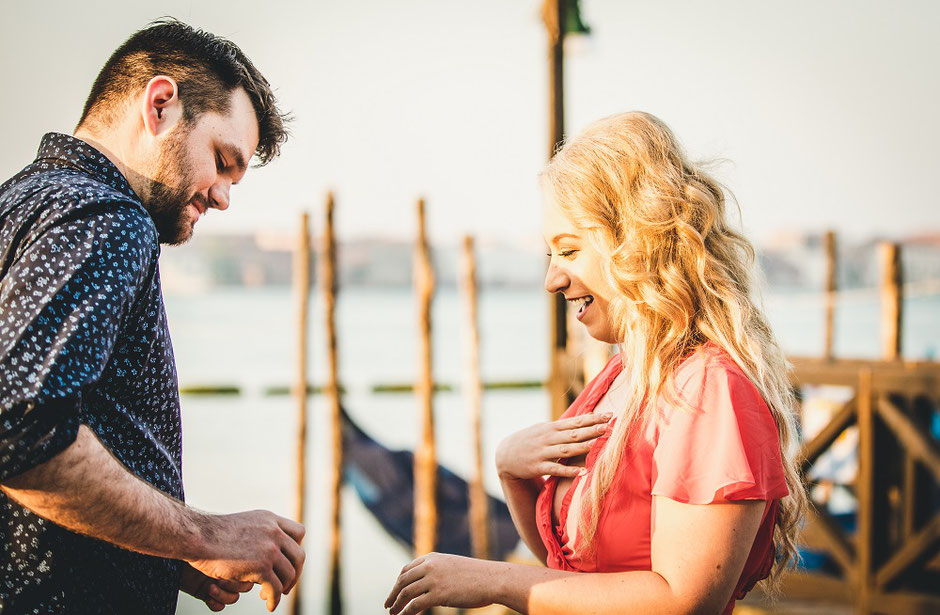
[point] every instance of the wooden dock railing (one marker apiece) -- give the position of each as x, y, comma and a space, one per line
891, 563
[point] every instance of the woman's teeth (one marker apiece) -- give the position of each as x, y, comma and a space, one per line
582, 302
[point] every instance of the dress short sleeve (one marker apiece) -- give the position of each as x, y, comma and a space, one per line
724, 445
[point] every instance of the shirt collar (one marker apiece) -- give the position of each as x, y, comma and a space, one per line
68, 151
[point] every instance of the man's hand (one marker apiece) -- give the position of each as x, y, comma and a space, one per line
86, 490
216, 593
254, 547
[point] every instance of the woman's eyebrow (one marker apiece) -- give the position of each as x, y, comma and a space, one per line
563, 236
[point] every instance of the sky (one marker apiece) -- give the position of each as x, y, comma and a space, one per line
821, 114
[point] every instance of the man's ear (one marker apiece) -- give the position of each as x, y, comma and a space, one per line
160, 106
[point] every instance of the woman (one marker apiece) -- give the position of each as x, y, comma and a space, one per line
668, 489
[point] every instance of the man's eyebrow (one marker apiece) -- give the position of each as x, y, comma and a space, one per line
236, 155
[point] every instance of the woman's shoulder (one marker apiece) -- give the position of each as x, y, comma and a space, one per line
710, 374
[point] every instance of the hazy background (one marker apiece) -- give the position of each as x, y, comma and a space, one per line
823, 113
825, 110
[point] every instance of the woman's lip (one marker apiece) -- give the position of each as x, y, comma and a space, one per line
584, 309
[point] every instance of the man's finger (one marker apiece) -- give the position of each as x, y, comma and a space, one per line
296, 556
230, 585
285, 572
217, 593
292, 528
271, 591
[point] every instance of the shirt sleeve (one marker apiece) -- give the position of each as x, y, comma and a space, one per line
724, 447
62, 302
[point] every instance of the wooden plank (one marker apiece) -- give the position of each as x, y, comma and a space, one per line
804, 585
911, 378
864, 539
908, 496
824, 439
425, 520
328, 286
912, 439
906, 603
913, 551
823, 533
473, 389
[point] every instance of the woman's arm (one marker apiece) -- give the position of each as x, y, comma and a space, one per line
697, 555
520, 497
523, 458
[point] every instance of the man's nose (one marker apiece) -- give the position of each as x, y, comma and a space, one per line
219, 195
556, 279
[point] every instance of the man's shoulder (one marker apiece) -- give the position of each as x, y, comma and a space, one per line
39, 200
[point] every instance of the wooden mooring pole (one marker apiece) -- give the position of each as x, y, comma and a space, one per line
473, 385
889, 256
560, 376
328, 287
302, 286
829, 245
425, 521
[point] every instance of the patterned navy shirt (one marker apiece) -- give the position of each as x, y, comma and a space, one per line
83, 340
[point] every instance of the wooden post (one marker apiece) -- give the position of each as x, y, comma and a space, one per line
479, 517
559, 378
829, 241
302, 287
328, 287
889, 255
865, 491
425, 522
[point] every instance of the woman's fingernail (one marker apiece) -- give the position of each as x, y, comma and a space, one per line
608, 415
582, 472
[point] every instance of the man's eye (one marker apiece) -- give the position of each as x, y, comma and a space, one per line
219, 163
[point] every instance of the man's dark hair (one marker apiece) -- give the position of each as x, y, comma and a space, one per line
206, 68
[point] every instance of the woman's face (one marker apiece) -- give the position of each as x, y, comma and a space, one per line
575, 270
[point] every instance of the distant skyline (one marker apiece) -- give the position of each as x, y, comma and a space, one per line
825, 113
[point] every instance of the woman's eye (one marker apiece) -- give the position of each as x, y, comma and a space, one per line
567, 253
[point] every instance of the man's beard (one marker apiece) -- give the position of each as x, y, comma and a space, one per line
169, 194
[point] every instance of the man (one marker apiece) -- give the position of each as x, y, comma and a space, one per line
92, 517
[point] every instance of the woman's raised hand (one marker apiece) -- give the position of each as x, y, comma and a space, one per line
537, 450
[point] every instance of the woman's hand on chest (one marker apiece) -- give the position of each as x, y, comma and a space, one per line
540, 449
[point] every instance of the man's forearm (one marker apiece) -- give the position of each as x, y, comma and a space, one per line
86, 490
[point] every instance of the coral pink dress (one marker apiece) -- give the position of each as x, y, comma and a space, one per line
725, 448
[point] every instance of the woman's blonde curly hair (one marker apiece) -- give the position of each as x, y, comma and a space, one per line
684, 278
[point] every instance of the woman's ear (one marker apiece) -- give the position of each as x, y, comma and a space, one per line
160, 106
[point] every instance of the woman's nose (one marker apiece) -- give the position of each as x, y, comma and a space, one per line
556, 279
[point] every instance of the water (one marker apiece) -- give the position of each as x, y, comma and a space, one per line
239, 452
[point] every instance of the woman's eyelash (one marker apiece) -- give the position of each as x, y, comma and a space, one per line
563, 253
